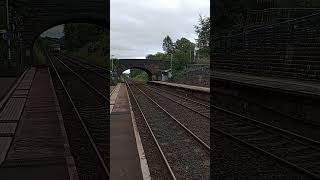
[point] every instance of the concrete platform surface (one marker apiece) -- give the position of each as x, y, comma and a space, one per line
290, 85
125, 159
6, 84
38, 142
114, 95
184, 86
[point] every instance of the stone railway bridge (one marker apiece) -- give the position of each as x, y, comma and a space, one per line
152, 67
30, 18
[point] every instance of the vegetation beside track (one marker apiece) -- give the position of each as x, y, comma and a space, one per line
88, 42
38, 51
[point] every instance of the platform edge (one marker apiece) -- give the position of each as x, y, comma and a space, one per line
143, 160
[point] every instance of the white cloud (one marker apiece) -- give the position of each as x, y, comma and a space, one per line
138, 27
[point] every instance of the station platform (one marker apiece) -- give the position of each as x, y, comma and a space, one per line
33, 141
298, 87
114, 91
183, 86
6, 84
127, 157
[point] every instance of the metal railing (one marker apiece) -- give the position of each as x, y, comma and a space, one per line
303, 29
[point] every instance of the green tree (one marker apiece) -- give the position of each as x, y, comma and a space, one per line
135, 72
76, 35
203, 32
203, 40
158, 56
168, 45
183, 53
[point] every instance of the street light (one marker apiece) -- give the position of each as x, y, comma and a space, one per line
171, 62
8, 24
195, 52
111, 62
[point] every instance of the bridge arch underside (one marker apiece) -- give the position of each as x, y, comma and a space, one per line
121, 70
152, 67
30, 39
37, 16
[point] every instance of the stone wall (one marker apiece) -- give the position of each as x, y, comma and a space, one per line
199, 76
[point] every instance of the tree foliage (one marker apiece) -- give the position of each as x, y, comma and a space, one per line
168, 45
203, 32
158, 56
184, 45
87, 41
203, 40
78, 34
182, 52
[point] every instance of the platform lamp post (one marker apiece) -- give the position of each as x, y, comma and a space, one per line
171, 63
195, 53
112, 57
8, 27
111, 62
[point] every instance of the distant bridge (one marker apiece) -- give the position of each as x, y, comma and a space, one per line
152, 67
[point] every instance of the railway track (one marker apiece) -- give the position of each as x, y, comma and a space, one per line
296, 152
196, 122
91, 149
194, 105
97, 76
112, 90
182, 93
185, 156
272, 116
89, 66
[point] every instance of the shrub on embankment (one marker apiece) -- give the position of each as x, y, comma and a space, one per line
194, 75
88, 42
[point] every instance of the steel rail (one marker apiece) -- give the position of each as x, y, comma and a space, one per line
264, 127
282, 131
207, 147
83, 80
113, 90
80, 64
182, 97
267, 108
92, 71
106, 171
208, 117
151, 132
95, 66
267, 153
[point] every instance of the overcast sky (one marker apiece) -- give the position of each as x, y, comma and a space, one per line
56, 31
138, 27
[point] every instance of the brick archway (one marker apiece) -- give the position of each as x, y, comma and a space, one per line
33, 17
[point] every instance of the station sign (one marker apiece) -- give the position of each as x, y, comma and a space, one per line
7, 36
